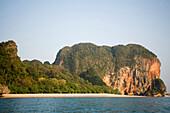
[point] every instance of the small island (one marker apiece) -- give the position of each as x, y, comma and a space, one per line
83, 69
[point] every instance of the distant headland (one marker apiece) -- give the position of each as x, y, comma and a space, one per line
83, 68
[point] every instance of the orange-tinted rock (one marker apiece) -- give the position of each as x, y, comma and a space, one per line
135, 80
130, 68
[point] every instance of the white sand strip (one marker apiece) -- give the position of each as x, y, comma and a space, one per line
62, 95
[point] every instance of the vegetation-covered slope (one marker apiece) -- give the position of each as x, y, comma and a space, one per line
83, 68
83, 56
131, 69
36, 77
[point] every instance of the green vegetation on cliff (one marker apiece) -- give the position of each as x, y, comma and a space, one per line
36, 77
80, 57
77, 69
92, 76
158, 87
124, 55
102, 65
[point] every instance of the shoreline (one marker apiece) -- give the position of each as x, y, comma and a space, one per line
63, 95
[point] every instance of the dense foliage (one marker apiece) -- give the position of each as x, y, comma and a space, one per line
80, 57
36, 77
77, 69
158, 87
92, 76
125, 55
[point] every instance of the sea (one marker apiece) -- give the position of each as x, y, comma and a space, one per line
86, 105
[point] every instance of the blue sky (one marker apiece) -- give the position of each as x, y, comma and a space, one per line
42, 27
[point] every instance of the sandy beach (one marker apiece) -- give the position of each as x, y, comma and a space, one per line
62, 95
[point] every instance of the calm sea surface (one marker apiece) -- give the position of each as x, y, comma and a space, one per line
32, 105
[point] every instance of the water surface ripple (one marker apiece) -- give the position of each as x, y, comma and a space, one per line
46, 105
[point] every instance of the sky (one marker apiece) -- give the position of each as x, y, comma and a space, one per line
42, 27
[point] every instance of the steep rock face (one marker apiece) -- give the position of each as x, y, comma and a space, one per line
136, 80
131, 69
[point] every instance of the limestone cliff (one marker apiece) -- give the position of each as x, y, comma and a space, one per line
131, 69
136, 80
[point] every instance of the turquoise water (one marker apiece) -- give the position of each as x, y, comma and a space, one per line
38, 105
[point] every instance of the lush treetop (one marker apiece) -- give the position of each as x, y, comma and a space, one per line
80, 57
